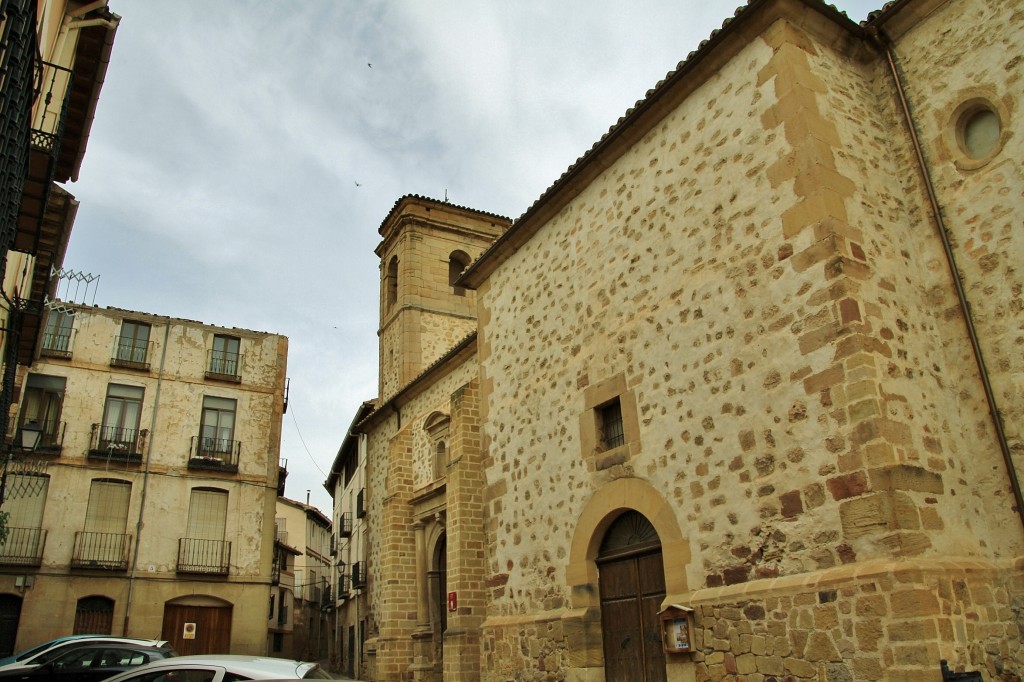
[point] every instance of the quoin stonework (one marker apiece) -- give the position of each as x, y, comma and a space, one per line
756, 357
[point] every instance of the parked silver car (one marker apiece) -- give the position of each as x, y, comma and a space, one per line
46, 652
222, 668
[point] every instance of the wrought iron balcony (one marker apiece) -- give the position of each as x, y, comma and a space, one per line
216, 454
23, 547
117, 444
101, 550
131, 354
196, 555
58, 344
224, 366
343, 583
358, 575
345, 525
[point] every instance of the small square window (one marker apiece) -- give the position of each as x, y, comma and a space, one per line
611, 430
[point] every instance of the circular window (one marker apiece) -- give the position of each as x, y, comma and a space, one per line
980, 132
977, 131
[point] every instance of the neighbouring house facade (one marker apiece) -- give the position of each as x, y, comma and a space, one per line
281, 614
346, 484
740, 397
154, 515
308, 531
53, 61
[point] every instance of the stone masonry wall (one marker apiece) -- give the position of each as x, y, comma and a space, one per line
760, 270
396, 471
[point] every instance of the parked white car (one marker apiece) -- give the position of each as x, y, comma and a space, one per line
46, 652
222, 668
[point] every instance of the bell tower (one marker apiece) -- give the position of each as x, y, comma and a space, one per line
425, 246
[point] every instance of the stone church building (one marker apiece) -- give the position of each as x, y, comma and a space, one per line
740, 396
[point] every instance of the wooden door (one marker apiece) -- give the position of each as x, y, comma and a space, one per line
198, 629
632, 589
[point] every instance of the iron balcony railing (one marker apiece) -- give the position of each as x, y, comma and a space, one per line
224, 366
358, 576
23, 547
196, 555
361, 503
58, 344
131, 353
345, 525
343, 583
282, 614
117, 444
101, 550
51, 107
217, 454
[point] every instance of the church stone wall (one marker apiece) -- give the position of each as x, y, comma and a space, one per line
761, 276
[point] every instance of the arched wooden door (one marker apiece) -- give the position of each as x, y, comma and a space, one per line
10, 616
632, 586
199, 626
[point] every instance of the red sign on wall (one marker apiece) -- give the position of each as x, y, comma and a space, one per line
453, 601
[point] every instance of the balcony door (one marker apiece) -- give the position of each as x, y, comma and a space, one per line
203, 549
103, 542
44, 397
218, 427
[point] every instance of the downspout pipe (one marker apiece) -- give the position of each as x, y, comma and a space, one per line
145, 483
885, 44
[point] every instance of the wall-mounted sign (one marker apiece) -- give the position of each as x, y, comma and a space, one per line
677, 629
189, 631
453, 601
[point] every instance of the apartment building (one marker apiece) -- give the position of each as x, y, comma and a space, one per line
307, 532
346, 484
153, 517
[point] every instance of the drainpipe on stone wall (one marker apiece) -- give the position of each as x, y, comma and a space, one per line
145, 483
886, 46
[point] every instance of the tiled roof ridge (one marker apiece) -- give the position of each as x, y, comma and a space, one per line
439, 201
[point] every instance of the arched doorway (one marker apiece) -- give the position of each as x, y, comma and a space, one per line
632, 588
198, 625
438, 576
10, 616
94, 616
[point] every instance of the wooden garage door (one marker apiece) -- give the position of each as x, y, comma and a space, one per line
209, 625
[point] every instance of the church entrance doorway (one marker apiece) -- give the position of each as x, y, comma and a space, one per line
632, 588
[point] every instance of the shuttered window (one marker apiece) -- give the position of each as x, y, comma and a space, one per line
26, 510
207, 514
108, 506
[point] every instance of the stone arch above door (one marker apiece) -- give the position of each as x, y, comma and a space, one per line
606, 504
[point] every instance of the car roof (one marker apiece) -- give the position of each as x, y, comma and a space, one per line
265, 666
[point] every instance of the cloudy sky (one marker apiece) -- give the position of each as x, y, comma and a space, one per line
245, 152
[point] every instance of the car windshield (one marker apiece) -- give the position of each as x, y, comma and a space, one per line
33, 651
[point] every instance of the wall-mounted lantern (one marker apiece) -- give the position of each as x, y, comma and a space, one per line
677, 629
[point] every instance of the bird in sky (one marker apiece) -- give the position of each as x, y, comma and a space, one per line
359, 184
369, 64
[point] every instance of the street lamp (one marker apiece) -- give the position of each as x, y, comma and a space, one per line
26, 441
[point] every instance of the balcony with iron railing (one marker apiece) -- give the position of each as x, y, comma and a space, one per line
23, 547
113, 443
344, 581
214, 454
358, 575
131, 354
101, 550
196, 555
58, 344
345, 525
224, 366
